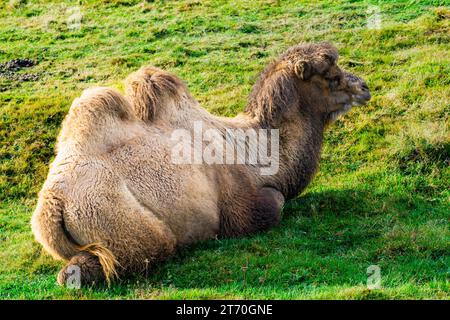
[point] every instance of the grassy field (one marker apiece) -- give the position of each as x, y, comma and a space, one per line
381, 196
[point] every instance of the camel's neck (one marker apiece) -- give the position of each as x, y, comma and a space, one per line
280, 102
275, 104
299, 154
299, 146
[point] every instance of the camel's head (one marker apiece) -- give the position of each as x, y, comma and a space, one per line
330, 90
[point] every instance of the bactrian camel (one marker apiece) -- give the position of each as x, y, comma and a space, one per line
114, 203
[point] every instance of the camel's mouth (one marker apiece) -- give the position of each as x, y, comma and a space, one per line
334, 115
361, 99
358, 99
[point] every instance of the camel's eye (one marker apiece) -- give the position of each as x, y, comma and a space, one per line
334, 82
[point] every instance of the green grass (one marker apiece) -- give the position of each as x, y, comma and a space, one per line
381, 196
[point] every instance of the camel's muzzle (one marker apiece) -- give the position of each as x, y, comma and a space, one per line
362, 94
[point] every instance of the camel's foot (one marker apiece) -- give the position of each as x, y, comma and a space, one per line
84, 269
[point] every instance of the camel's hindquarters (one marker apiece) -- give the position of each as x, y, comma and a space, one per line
48, 227
102, 227
95, 261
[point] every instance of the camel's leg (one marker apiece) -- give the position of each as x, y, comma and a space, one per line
267, 209
83, 269
250, 212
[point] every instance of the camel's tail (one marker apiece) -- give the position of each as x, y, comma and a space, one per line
48, 227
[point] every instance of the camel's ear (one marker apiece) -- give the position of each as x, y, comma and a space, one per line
303, 70
330, 58
325, 62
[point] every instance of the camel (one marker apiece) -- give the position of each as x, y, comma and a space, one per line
114, 202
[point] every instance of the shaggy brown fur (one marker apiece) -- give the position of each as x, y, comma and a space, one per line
114, 202
149, 88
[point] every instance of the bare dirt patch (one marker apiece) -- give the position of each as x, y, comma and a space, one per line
10, 70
